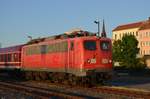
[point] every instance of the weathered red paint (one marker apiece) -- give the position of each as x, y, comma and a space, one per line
72, 60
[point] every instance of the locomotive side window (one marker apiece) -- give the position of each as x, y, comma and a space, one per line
105, 45
57, 47
33, 50
71, 46
90, 45
43, 49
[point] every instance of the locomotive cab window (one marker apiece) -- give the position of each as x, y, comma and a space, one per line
90, 45
105, 45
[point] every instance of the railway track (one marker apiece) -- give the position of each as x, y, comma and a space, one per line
104, 92
41, 93
124, 92
44, 90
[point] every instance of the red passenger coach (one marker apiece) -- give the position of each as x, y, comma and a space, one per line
10, 57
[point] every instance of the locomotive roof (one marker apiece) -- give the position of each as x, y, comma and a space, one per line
11, 49
63, 36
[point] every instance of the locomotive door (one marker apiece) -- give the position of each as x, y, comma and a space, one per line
71, 56
43, 57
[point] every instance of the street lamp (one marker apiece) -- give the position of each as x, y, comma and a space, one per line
30, 37
98, 23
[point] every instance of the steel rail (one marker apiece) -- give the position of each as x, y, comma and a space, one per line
37, 92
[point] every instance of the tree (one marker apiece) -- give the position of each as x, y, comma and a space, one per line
125, 52
117, 51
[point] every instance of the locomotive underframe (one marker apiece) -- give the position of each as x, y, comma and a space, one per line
92, 77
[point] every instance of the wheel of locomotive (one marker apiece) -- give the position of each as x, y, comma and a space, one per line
74, 80
65, 79
43, 75
49, 76
37, 76
28, 75
54, 77
93, 82
70, 80
61, 77
83, 81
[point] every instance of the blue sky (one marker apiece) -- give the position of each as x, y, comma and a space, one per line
40, 18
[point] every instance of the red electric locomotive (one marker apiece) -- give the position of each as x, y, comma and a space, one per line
77, 57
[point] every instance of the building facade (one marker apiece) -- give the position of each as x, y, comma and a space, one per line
141, 30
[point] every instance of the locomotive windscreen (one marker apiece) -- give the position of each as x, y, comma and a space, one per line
105, 45
90, 45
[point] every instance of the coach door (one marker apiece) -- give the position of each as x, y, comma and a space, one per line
71, 55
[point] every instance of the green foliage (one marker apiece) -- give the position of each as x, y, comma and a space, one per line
125, 52
117, 50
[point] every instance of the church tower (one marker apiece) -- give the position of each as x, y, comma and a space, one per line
103, 34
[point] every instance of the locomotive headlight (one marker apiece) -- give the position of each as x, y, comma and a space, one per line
89, 61
92, 61
110, 61
105, 61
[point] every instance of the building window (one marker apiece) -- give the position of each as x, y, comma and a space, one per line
149, 34
136, 33
115, 36
120, 36
147, 44
146, 34
143, 52
143, 43
140, 35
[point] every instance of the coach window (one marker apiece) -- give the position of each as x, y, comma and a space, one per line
9, 57
5, 57
0, 57
15, 57
90, 45
12, 57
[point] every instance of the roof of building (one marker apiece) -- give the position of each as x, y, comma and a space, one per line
145, 26
142, 25
129, 26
